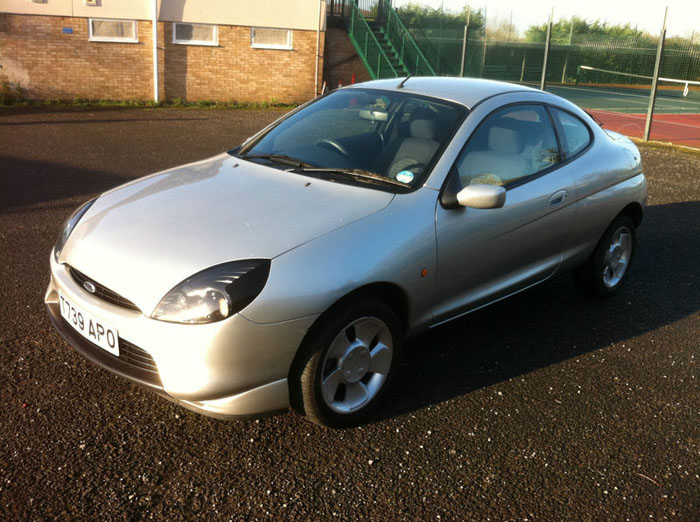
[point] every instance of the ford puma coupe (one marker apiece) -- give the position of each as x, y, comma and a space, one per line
288, 270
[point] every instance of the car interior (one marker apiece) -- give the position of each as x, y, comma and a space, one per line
509, 146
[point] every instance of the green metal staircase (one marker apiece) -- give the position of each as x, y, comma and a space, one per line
381, 40
392, 54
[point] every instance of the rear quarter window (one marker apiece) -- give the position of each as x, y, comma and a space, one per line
576, 134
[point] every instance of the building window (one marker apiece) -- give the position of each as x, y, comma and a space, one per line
261, 38
101, 30
195, 34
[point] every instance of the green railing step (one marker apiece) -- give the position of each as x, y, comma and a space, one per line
383, 43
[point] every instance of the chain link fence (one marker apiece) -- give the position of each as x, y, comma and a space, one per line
615, 76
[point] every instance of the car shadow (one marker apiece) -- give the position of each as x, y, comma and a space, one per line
18, 110
93, 121
28, 182
555, 321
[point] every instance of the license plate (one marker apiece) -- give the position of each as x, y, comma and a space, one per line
93, 329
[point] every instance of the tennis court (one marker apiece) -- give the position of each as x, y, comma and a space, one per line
623, 108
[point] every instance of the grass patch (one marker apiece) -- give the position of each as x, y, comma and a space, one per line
11, 93
11, 98
664, 145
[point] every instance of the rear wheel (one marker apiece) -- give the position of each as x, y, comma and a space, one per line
609, 265
344, 368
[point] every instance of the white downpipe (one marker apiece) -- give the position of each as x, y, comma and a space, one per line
155, 51
318, 44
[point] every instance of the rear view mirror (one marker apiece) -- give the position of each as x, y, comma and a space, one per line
366, 114
482, 196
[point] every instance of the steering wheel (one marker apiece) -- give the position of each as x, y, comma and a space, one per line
333, 145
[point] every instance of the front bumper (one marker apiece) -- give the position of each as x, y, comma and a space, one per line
229, 368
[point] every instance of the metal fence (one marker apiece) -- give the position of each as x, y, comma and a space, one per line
632, 80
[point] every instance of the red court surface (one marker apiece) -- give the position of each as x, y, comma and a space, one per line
679, 129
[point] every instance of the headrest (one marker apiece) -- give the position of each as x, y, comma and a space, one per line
502, 139
423, 129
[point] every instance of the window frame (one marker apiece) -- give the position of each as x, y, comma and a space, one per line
454, 173
288, 47
113, 39
560, 132
206, 43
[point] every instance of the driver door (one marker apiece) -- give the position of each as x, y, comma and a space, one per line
486, 254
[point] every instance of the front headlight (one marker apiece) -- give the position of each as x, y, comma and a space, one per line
215, 293
68, 227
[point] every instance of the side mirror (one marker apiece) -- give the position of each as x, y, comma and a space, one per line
482, 196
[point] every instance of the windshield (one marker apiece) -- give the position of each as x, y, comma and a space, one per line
370, 134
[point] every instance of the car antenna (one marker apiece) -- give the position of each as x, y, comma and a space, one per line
400, 86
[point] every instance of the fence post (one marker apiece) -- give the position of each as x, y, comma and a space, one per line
483, 57
352, 22
464, 43
655, 80
546, 51
568, 49
403, 45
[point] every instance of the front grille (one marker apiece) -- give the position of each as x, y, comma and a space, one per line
102, 292
135, 356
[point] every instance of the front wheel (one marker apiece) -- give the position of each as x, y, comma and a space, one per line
346, 365
609, 265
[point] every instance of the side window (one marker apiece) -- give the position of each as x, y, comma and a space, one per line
576, 133
195, 34
511, 144
264, 38
104, 30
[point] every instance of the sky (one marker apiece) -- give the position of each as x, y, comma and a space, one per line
648, 15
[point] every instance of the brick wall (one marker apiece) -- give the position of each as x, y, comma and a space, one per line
236, 71
49, 64
341, 60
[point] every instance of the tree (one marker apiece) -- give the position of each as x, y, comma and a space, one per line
424, 16
499, 28
563, 28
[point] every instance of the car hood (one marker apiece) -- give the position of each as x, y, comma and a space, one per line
145, 237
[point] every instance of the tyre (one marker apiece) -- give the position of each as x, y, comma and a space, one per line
345, 366
610, 263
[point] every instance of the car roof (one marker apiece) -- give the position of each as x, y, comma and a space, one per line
466, 91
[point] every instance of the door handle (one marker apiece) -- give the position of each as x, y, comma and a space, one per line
558, 197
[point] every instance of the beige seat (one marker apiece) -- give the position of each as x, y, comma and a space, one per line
418, 149
503, 160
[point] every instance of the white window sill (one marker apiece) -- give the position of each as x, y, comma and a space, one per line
195, 42
112, 40
273, 47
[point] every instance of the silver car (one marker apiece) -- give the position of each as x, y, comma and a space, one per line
289, 270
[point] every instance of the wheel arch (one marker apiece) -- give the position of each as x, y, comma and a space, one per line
390, 293
635, 211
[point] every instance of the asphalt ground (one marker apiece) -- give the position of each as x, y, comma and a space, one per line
547, 406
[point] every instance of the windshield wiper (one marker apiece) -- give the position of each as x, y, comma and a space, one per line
277, 158
353, 173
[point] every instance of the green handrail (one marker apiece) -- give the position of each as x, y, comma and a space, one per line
430, 51
367, 46
402, 40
